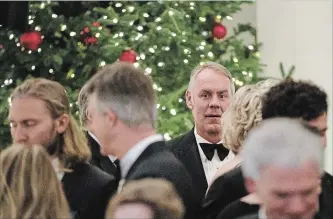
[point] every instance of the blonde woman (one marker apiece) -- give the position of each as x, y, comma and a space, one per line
243, 114
29, 187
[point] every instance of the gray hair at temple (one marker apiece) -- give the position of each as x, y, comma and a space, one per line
281, 142
216, 67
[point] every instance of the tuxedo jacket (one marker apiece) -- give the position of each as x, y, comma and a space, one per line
185, 148
157, 162
88, 190
225, 189
97, 159
250, 216
256, 216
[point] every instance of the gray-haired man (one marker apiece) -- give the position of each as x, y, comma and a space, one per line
283, 165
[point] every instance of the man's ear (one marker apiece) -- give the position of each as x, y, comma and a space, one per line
188, 97
62, 123
111, 117
250, 185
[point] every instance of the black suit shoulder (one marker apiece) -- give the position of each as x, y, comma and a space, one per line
158, 162
88, 190
326, 196
225, 189
181, 142
250, 216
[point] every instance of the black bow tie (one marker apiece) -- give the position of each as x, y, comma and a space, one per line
209, 150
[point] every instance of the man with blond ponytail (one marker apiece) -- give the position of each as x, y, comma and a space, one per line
39, 113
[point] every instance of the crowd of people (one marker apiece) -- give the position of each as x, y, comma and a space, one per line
254, 153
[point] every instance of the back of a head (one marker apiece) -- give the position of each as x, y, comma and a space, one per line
127, 91
73, 142
29, 187
295, 100
159, 194
243, 114
281, 142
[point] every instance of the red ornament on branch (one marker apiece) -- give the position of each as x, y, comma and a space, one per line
128, 55
90, 40
31, 40
96, 24
219, 31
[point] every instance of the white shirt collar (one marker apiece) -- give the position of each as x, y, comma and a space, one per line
111, 157
133, 154
55, 163
262, 213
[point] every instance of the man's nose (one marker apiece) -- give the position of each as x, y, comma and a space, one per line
297, 206
19, 135
215, 101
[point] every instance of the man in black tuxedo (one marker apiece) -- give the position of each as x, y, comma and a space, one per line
123, 120
284, 167
40, 114
200, 150
304, 100
106, 163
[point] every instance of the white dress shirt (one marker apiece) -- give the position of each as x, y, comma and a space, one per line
211, 166
112, 158
262, 213
133, 154
55, 163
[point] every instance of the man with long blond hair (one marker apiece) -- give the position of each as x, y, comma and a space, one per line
39, 113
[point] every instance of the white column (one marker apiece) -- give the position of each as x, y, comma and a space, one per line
299, 33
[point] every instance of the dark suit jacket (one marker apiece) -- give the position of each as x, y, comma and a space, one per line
326, 197
186, 150
226, 189
157, 162
250, 216
102, 162
256, 216
88, 190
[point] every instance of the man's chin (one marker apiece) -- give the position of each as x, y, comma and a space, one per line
213, 128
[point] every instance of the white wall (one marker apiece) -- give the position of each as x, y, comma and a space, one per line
299, 33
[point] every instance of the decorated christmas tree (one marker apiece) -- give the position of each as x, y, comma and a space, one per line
69, 41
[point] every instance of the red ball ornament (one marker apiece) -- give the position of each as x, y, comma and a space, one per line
128, 55
31, 40
90, 40
96, 24
86, 30
219, 31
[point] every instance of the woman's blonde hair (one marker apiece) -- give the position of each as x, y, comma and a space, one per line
158, 194
243, 114
29, 187
75, 146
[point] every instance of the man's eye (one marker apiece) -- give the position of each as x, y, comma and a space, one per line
281, 195
29, 123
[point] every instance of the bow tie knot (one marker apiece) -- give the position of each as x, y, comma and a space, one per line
209, 150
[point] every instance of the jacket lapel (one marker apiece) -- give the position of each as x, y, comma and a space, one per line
188, 153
